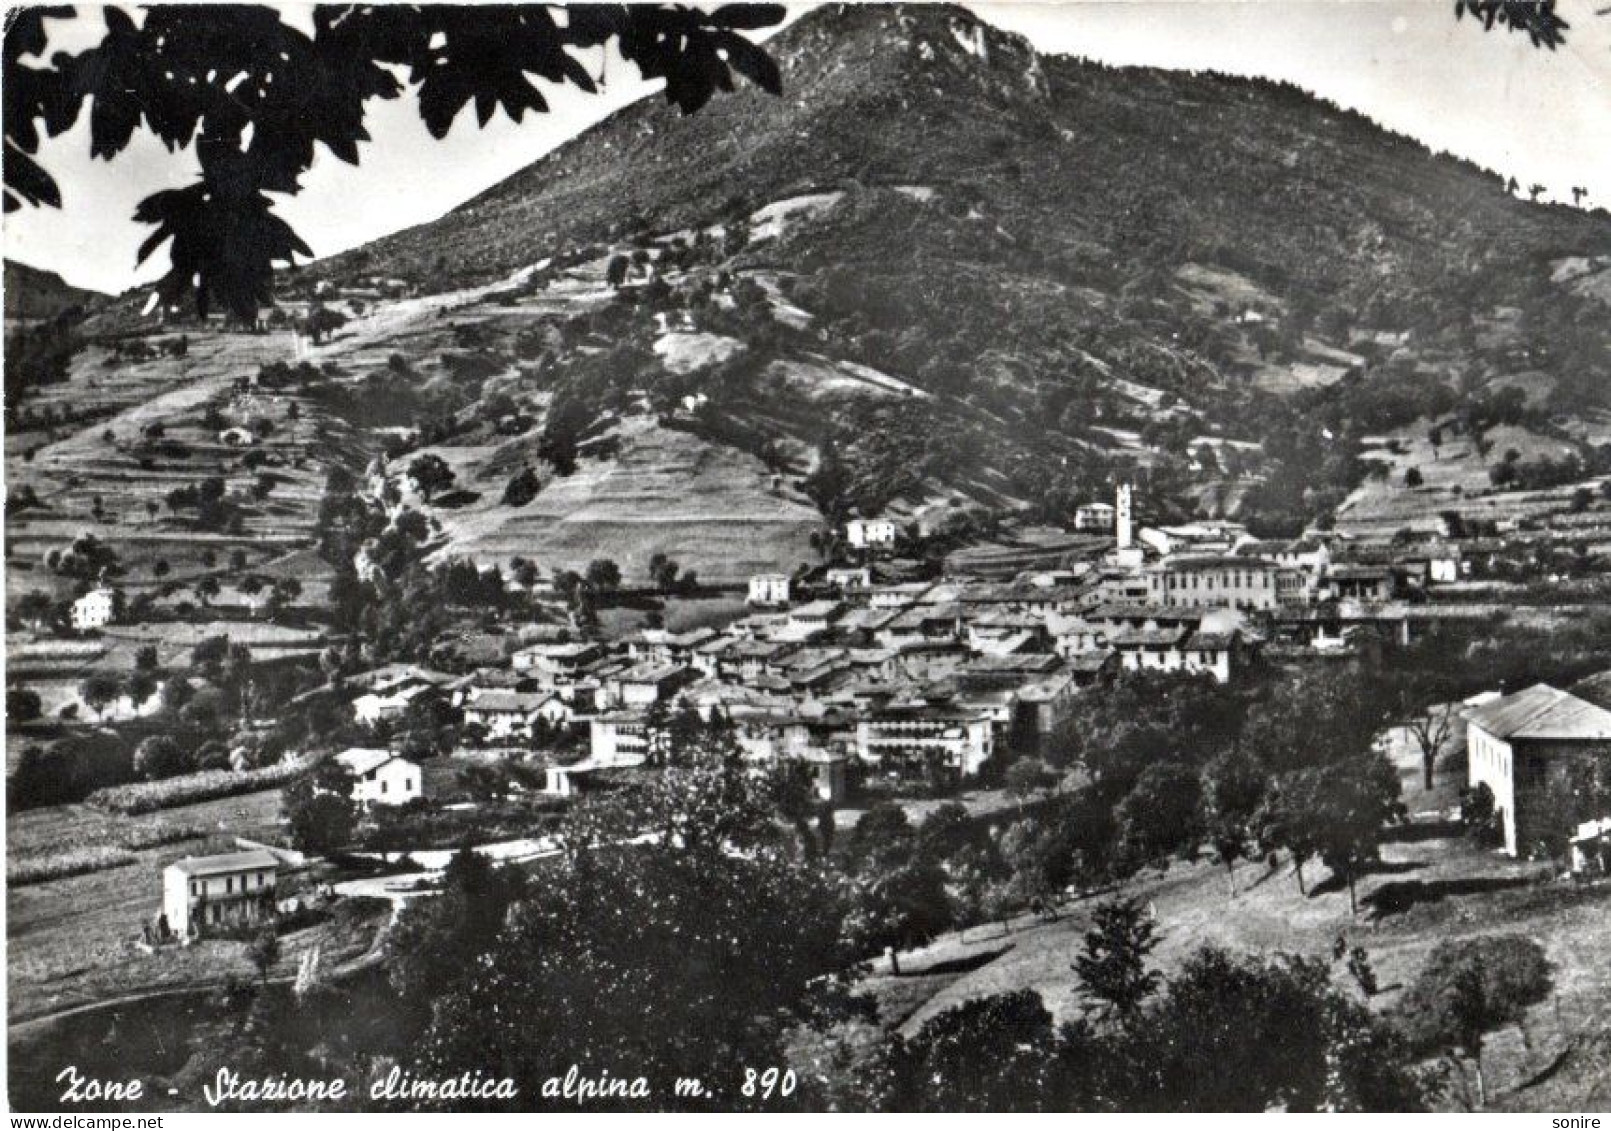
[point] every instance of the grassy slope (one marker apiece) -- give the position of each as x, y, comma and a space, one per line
1429, 888
709, 508
72, 941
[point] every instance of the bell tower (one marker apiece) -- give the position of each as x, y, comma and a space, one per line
1122, 520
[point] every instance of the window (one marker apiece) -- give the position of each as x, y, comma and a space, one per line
229, 885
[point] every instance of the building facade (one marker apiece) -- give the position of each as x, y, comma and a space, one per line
382, 778
212, 893
1522, 746
864, 533
1225, 582
94, 609
769, 589
940, 742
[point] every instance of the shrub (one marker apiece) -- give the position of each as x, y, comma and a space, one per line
522, 489
66, 770
61, 865
1472, 986
155, 834
147, 797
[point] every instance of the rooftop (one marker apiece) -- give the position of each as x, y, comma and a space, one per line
816, 610
249, 861
361, 759
651, 673
1544, 712
1216, 561
501, 700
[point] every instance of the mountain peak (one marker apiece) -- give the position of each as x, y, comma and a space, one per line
928, 38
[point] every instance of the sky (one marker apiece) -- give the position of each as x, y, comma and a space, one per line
1540, 116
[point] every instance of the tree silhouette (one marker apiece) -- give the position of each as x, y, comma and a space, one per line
99, 691
1537, 19
254, 97
1233, 791
265, 951
430, 473
604, 575
1112, 963
158, 756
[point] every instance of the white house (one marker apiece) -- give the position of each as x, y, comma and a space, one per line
388, 701
769, 589
646, 683
618, 738
1522, 744
1179, 648
849, 578
568, 780
232, 889
867, 532
93, 609
381, 777
508, 714
1444, 567
1093, 516
922, 739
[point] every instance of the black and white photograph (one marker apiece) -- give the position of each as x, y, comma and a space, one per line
818, 557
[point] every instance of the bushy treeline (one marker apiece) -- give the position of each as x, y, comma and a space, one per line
700, 918
187, 789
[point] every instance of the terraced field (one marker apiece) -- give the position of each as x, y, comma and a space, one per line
1454, 477
73, 941
709, 508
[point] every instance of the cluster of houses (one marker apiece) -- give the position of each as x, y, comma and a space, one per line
856, 668
1525, 747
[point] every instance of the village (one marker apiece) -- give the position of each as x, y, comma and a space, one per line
883, 687
908, 563
265, 767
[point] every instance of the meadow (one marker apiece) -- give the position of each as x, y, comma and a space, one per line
72, 940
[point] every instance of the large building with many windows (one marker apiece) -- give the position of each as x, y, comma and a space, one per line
939, 742
212, 893
1224, 582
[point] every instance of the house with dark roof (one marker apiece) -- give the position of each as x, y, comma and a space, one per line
661, 647
646, 683
1369, 583
1180, 648
510, 714
1524, 745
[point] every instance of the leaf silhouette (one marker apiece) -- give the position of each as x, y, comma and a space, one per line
27, 182
254, 98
